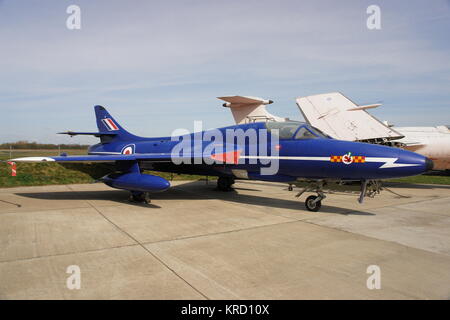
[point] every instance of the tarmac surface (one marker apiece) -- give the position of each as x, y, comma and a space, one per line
194, 242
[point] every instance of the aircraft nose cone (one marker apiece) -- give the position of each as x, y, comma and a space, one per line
429, 164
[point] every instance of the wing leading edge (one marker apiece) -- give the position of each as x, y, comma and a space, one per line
224, 157
99, 158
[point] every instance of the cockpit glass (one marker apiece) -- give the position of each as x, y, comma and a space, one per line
304, 133
285, 129
319, 133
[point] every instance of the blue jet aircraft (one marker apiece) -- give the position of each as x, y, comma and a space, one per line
305, 156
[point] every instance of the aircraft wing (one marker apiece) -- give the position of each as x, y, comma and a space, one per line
98, 158
341, 118
229, 156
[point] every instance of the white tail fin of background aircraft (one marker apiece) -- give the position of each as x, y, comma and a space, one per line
249, 109
342, 119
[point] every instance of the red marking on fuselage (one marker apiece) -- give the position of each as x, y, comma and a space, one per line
227, 157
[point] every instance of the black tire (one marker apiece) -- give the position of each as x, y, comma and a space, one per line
311, 206
138, 197
225, 183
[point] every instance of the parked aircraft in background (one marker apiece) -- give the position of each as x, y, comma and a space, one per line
433, 142
340, 118
302, 154
249, 109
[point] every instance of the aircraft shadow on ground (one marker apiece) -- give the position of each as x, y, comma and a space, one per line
190, 191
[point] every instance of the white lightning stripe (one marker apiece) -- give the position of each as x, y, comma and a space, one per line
388, 162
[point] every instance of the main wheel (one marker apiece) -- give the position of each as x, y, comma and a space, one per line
311, 205
225, 183
140, 197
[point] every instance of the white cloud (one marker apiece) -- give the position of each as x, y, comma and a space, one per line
158, 57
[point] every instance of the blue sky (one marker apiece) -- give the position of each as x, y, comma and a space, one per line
159, 65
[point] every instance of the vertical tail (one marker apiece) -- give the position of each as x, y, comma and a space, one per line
106, 123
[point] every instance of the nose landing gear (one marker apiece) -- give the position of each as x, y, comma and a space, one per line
314, 203
365, 188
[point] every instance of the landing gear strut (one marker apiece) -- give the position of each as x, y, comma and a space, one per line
313, 203
225, 183
365, 188
140, 197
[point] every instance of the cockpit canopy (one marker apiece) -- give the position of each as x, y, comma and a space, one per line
295, 130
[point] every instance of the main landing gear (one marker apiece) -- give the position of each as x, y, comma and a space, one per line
225, 183
140, 197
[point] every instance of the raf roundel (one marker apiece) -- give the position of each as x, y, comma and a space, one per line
128, 149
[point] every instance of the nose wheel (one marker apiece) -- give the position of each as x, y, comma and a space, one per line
313, 203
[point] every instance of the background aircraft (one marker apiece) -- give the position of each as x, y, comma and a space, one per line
303, 154
340, 118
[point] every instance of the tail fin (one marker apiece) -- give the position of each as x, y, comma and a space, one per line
107, 124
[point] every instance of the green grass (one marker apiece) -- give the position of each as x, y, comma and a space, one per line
424, 179
38, 174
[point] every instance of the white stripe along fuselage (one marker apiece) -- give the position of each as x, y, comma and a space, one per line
388, 162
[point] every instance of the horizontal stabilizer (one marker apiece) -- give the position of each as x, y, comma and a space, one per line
97, 134
369, 106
